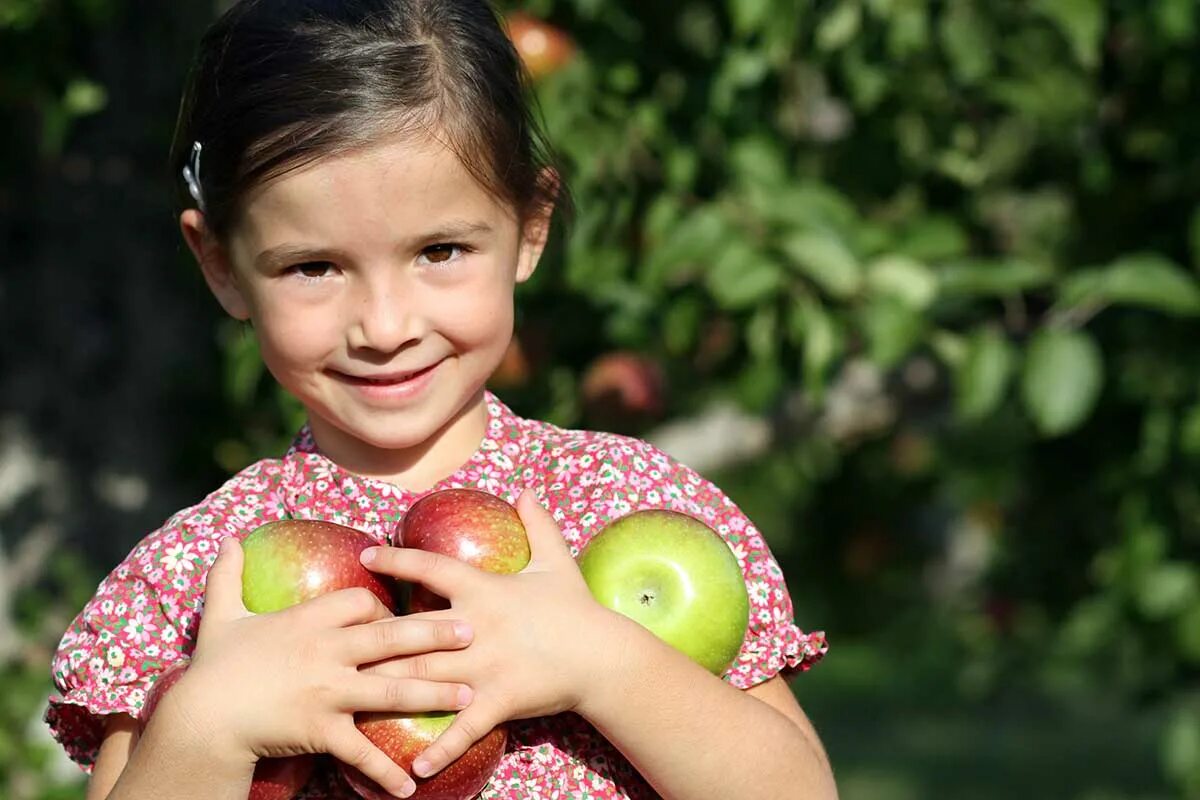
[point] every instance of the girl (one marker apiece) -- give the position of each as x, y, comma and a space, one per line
368, 189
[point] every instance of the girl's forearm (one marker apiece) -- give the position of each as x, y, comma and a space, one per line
175, 758
691, 735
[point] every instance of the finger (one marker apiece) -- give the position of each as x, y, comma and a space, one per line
405, 695
344, 607
440, 574
223, 584
546, 542
442, 665
351, 747
401, 636
469, 726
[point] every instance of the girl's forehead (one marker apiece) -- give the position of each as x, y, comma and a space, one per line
395, 182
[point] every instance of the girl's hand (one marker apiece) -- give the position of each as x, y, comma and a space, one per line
288, 682
535, 633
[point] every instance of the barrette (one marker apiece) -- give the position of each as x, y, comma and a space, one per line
191, 175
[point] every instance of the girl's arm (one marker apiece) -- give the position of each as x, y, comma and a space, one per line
170, 753
691, 735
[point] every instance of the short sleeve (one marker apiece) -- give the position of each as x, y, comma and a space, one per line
611, 476
141, 619
146, 612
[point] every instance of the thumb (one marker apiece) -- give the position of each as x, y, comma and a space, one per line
223, 586
546, 542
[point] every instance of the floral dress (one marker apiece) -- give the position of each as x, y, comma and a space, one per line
145, 614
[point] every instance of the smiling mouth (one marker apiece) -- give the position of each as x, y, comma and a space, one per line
388, 380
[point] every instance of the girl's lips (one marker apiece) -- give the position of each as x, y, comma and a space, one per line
399, 388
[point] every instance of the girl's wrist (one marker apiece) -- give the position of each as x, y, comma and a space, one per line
612, 648
186, 714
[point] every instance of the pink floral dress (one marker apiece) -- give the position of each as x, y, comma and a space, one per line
145, 615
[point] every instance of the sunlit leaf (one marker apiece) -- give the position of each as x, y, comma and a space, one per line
1064, 372
983, 374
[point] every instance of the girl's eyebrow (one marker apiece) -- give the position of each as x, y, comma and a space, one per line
278, 256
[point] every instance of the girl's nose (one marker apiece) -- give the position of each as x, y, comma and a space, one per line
385, 318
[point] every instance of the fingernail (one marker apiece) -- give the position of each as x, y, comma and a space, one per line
421, 767
368, 555
224, 546
463, 631
408, 789
465, 693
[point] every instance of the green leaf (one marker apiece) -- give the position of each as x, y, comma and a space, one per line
749, 15
998, 277
1082, 24
741, 276
759, 160
1181, 747
84, 97
813, 328
1147, 280
686, 249
903, 278
821, 256
967, 42
1064, 372
1168, 589
840, 26
1175, 19
983, 374
892, 329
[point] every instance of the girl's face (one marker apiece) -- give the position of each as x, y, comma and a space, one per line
380, 287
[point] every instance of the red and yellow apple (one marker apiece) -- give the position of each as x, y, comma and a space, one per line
293, 560
405, 738
274, 778
676, 577
473, 526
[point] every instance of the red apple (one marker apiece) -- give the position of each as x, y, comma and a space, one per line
293, 560
543, 48
274, 778
624, 384
405, 738
472, 526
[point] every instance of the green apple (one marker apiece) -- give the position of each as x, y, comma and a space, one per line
676, 577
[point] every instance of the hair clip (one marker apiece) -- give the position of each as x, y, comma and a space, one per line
191, 175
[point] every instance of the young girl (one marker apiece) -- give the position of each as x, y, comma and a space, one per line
368, 190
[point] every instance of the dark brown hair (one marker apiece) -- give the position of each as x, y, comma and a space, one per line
279, 84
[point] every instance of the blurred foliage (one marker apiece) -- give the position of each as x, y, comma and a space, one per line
948, 249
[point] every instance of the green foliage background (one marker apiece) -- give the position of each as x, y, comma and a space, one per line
949, 251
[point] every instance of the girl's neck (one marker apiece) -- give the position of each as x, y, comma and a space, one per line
416, 468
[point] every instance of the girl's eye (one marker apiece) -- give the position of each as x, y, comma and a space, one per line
312, 270
442, 253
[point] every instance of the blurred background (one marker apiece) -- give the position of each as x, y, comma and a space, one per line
915, 281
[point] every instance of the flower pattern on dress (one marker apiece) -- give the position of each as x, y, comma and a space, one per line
145, 613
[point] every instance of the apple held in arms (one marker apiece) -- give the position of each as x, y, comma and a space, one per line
274, 778
486, 532
293, 560
676, 577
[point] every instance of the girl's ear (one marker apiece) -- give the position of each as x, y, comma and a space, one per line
534, 232
214, 263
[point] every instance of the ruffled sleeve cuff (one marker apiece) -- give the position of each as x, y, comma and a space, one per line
785, 650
